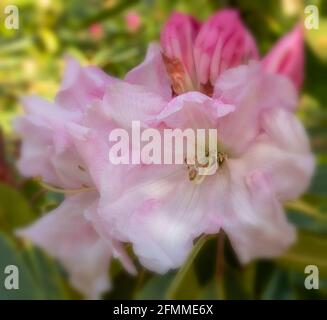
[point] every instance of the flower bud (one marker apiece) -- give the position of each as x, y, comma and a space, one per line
177, 40
287, 57
223, 42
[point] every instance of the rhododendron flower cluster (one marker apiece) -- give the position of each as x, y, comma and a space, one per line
203, 76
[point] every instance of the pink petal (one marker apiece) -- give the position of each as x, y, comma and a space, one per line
276, 168
66, 235
255, 223
81, 85
151, 73
282, 151
47, 150
287, 57
93, 148
36, 150
193, 110
125, 102
251, 91
223, 42
117, 248
161, 212
177, 40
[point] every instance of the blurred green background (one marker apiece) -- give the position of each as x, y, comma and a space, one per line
96, 32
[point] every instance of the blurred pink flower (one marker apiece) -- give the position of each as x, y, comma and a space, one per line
133, 21
160, 210
202, 77
96, 30
68, 233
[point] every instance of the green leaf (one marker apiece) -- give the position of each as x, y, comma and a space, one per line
210, 291
307, 209
123, 286
308, 214
39, 276
279, 287
263, 274
319, 181
310, 249
238, 283
46, 273
207, 257
14, 210
156, 287
301, 292
192, 281
27, 287
186, 276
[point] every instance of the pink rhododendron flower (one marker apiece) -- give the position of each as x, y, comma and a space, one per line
160, 210
48, 152
205, 76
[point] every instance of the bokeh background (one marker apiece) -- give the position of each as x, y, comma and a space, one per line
114, 35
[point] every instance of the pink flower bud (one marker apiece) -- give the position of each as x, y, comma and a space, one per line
223, 42
133, 21
96, 30
287, 57
177, 39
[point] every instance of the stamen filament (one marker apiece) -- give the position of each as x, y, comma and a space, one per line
61, 190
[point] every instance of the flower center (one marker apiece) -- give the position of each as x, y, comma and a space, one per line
198, 169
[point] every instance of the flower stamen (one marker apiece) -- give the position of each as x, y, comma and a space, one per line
198, 170
62, 190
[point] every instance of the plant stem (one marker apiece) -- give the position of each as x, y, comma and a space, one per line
220, 263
